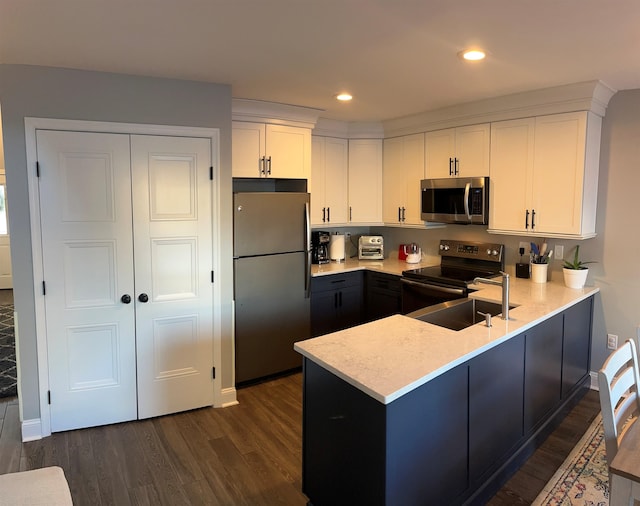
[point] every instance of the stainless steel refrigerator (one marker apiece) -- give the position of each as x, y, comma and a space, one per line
272, 269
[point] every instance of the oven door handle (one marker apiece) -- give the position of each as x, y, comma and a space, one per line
443, 289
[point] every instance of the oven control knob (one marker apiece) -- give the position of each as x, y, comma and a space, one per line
444, 247
489, 251
493, 252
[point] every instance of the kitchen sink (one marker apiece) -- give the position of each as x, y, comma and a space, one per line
458, 314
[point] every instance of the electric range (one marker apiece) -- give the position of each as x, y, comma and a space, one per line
460, 263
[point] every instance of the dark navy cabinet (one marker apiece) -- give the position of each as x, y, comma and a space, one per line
457, 438
357, 450
543, 370
576, 345
336, 302
496, 396
382, 295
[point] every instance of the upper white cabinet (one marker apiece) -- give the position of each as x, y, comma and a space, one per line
365, 181
544, 175
329, 180
403, 168
456, 152
270, 150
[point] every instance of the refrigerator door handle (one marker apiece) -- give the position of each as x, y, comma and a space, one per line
307, 249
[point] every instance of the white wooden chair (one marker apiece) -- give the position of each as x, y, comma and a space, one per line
618, 381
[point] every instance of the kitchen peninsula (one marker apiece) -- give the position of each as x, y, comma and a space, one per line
399, 411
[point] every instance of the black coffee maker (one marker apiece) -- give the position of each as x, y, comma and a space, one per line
320, 247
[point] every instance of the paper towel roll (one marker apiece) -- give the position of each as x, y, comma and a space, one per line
336, 247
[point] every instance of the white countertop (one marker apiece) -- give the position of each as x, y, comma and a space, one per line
389, 357
389, 265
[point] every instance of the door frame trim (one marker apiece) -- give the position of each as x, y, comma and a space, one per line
31, 125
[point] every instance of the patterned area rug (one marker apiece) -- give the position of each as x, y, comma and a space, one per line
8, 385
583, 478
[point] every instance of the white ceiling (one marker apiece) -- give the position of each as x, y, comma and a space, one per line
397, 57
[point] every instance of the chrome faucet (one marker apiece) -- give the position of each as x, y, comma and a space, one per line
505, 291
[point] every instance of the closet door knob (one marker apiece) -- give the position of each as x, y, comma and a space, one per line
143, 297
125, 299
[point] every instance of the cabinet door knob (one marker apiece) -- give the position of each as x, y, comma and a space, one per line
125, 299
143, 297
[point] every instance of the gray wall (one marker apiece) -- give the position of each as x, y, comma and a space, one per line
29, 91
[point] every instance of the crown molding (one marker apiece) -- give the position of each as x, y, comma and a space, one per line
243, 109
348, 130
591, 96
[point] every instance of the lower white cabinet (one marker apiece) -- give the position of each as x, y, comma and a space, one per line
544, 175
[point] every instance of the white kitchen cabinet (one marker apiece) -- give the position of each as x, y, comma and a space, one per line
365, 181
456, 152
329, 180
403, 168
266, 150
544, 175
511, 173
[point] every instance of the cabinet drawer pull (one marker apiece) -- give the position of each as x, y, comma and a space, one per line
526, 221
533, 219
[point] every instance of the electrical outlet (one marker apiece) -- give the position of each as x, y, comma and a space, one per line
612, 341
558, 252
524, 245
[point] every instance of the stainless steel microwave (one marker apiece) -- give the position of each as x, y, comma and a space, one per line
455, 200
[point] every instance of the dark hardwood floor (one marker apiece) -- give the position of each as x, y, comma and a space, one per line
248, 454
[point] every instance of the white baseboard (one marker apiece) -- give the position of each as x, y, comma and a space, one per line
229, 397
31, 430
594, 380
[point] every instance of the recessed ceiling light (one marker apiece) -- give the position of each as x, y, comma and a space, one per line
344, 97
472, 54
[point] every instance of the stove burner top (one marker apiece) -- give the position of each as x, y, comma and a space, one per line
461, 263
448, 275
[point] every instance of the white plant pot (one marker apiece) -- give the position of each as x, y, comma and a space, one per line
539, 273
575, 278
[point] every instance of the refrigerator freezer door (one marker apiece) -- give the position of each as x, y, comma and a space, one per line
268, 223
272, 312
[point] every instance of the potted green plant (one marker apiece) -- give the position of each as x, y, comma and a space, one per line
575, 271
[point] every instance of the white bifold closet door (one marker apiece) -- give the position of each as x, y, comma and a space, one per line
127, 259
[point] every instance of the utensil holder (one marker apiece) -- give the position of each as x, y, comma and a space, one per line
539, 273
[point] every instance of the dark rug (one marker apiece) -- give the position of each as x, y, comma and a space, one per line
8, 376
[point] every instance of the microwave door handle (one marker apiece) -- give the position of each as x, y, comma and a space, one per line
467, 187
